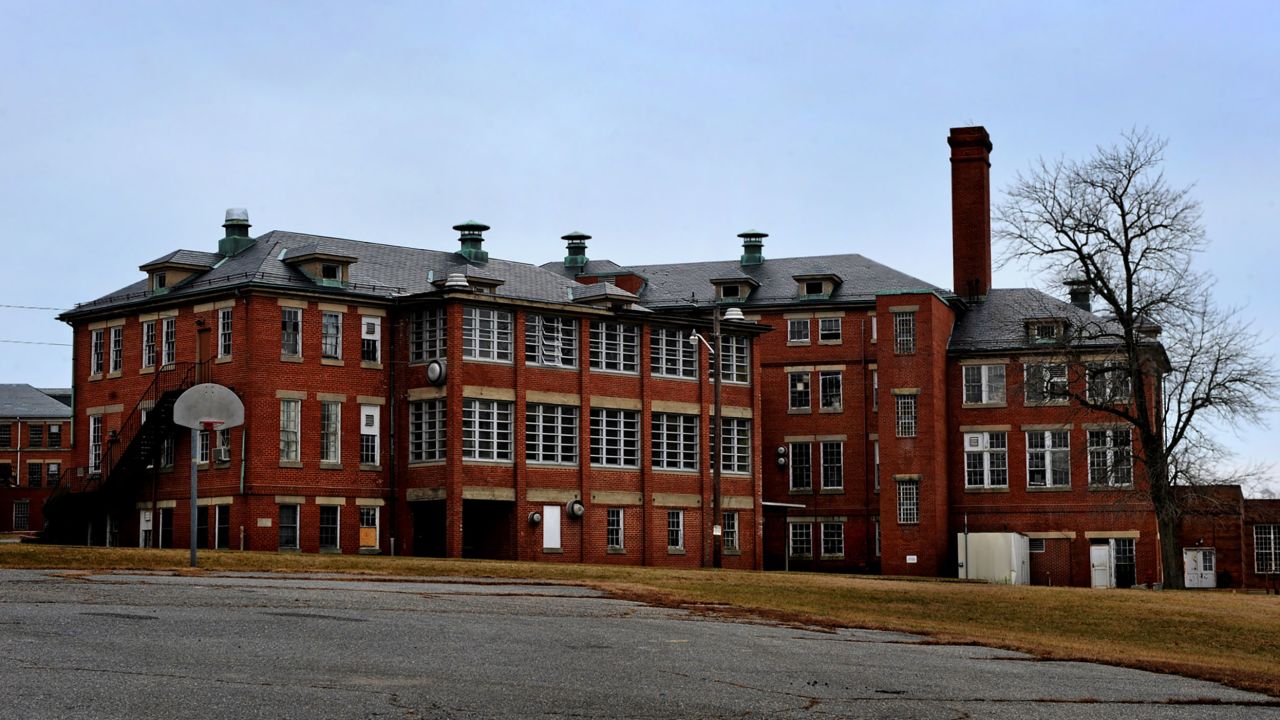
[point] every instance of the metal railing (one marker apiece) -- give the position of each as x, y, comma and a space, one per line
180, 377
244, 277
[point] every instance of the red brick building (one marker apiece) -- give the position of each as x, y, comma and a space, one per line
1229, 540
35, 446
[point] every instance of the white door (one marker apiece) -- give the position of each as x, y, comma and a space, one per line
1100, 566
1199, 566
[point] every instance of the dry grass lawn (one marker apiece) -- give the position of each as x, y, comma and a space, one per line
1233, 638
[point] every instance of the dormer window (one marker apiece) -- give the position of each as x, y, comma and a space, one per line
321, 266
731, 291
158, 281
171, 271
816, 286
813, 287
734, 289
330, 271
1045, 331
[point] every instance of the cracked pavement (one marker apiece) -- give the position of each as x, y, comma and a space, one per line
141, 645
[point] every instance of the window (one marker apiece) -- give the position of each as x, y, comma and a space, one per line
983, 384
1048, 458
1043, 331
799, 382
35, 473
735, 358
613, 535
95, 443
675, 530
289, 412
615, 437
908, 502
203, 455
291, 332
730, 291
1110, 457
1045, 383
55, 437
288, 527
486, 334
486, 430
871, 320
224, 446
906, 407
369, 534
117, 349
735, 450
167, 450
798, 330
1035, 545
35, 436
671, 354
875, 391
1266, 549
729, 531
426, 430
169, 349
832, 466
224, 332
21, 514
831, 387
832, 540
161, 281
986, 459
95, 352
801, 544
814, 287
53, 473
876, 523
904, 332
371, 339
6, 435
551, 341
615, 347
1108, 383
551, 434
149, 344
801, 454
329, 271
875, 465
329, 527
1126, 562
330, 431
427, 335
331, 335
675, 441
829, 329
370, 435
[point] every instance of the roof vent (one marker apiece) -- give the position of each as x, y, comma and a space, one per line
576, 243
237, 236
456, 281
752, 247
1081, 295
472, 240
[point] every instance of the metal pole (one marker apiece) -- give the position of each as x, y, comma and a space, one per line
195, 457
716, 536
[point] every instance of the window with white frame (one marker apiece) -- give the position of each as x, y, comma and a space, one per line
729, 531
904, 332
96, 350
798, 330
551, 434
613, 531
486, 430
675, 441
95, 443
21, 514
203, 445
983, 384
55, 436
800, 394
224, 332
329, 527
370, 339
53, 473
831, 389
330, 431
615, 437
735, 446
427, 336
735, 358
875, 390
1111, 457
291, 332
871, 320
1266, 549
615, 347
875, 464
117, 349
832, 466
426, 430
671, 354
829, 329
801, 456
908, 502
675, 529
288, 527
223, 446
1048, 458
331, 335
369, 533
169, 348
832, 540
906, 415
801, 540
486, 334
1108, 383
551, 528
551, 341
149, 344
167, 451
876, 522
1044, 382
290, 411
986, 459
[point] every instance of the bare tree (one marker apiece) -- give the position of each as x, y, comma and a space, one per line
1182, 365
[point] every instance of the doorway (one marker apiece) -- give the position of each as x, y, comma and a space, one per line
1113, 563
1200, 567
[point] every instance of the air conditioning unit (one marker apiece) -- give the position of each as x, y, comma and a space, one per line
222, 454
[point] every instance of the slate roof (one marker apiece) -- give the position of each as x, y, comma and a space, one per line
187, 257
999, 322
601, 290
24, 401
593, 267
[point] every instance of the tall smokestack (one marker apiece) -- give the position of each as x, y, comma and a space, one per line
971, 210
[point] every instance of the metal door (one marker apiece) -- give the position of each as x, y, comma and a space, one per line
1199, 567
1100, 566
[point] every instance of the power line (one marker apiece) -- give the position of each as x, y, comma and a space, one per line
35, 342
31, 307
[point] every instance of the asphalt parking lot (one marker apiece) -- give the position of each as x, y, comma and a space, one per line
136, 646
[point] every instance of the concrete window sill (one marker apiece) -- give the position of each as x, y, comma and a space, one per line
1055, 488
833, 491
332, 362
552, 551
799, 411
986, 490
291, 358
374, 468
370, 365
675, 551
330, 466
616, 551
290, 464
800, 491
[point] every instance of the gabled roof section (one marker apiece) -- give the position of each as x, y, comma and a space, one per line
599, 291
999, 322
593, 268
24, 401
316, 251
187, 259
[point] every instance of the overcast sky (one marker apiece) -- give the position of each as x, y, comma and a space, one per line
662, 129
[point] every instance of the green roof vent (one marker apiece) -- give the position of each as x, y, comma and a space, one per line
752, 247
576, 243
237, 237
472, 240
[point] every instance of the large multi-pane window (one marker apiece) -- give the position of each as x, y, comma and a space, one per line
1108, 382
675, 441
983, 384
801, 456
426, 430
371, 339
908, 502
831, 388
370, 434
832, 540
801, 539
675, 529
53, 472
486, 430
613, 531
551, 341
986, 459
331, 335
21, 514
149, 344
95, 443
671, 354
551, 434
288, 527
35, 473
1266, 549
1045, 382
6, 435
486, 334
291, 332
735, 445
224, 332
735, 358
904, 332
1111, 457
330, 431
290, 411
798, 330
1048, 458
906, 417
204, 447
329, 527
615, 437
95, 352
168, 355
729, 531
615, 346
35, 436
829, 329
832, 465
875, 465
800, 394
427, 336
55, 436
117, 349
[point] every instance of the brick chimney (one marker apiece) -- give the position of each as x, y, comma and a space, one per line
970, 210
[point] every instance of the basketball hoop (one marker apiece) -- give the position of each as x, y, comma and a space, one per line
207, 407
